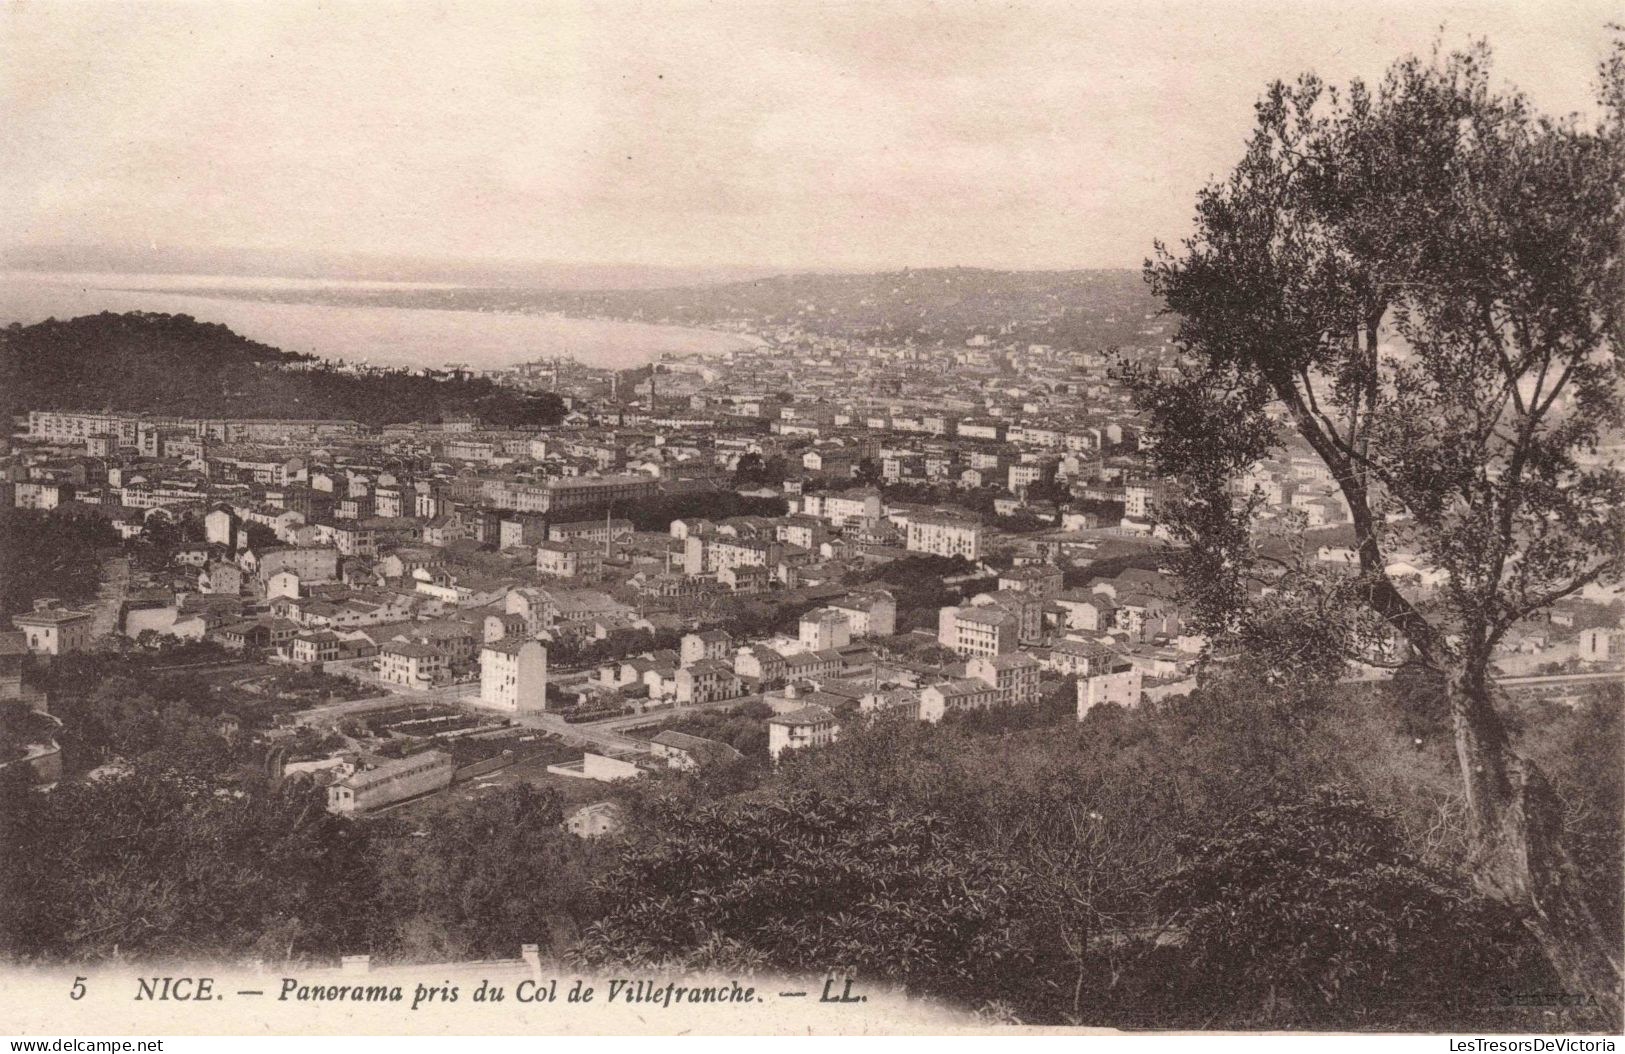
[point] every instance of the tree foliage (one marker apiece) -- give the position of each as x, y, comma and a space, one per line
160, 864
482, 878
1310, 910
1424, 278
815, 883
130, 363
50, 554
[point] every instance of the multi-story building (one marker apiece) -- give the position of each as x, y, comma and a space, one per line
870, 612
1028, 609
464, 449
412, 665
823, 628
569, 559
445, 529
1015, 675
767, 666
1080, 658
1045, 580
1024, 475
355, 538
801, 530
221, 577
841, 509
1120, 685
68, 427
687, 753
1093, 612
1140, 499
978, 630
315, 648
309, 564
41, 494
958, 696
942, 534
708, 554
572, 493
598, 532
809, 726
513, 675
713, 644
54, 630
705, 682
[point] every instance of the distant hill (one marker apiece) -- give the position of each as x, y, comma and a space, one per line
328, 266
143, 362
1084, 308
1079, 309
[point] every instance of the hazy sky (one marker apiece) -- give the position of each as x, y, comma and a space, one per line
787, 134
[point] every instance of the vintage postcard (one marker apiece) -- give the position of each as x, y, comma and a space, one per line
594, 517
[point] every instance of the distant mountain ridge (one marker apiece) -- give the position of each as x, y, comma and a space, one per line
344, 267
146, 362
1087, 309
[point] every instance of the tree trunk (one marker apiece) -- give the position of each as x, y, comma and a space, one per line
1519, 856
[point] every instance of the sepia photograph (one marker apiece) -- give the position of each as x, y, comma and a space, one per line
912, 518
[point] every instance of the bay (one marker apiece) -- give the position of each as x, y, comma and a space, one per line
383, 336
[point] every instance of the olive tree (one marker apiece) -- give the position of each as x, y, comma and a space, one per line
1420, 281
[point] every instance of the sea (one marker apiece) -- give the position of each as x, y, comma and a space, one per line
382, 336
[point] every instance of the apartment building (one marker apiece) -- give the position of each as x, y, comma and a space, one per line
941, 534
513, 675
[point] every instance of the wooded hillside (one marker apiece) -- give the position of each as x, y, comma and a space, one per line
174, 364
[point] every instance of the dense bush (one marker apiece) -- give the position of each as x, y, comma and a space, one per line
159, 865
812, 884
483, 878
1308, 911
1174, 865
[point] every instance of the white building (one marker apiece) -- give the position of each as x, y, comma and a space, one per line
41, 494
391, 782
969, 693
944, 535
870, 613
219, 526
513, 675
841, 509
985, 630
711, 644
1015, 675
810, 726
55, 631
310, 564
705, 681
823, 628
1120, 686
282, 584
412, 665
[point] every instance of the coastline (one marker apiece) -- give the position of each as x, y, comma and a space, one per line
412, 335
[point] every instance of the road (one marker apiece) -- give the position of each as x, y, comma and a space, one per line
591, 735
110, 595
331, 713
656, 716
608, 735
1561, 687
1560, 679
